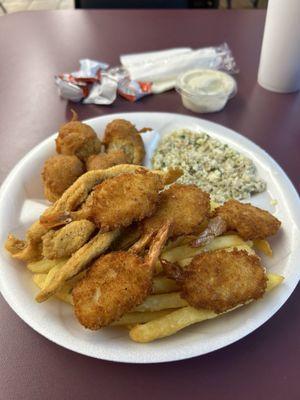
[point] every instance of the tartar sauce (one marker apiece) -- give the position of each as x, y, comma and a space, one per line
205, 90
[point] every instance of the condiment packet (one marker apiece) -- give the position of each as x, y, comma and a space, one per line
90, 71
104, 93
133, 90
90, 84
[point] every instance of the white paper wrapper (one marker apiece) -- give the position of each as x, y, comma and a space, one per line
279, 68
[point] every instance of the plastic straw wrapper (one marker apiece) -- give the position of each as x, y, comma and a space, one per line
170, 66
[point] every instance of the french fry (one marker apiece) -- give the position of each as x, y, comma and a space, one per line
164, 285
185, 251
159, 302
43, 266
181, 240
179, 319
134, 318
264, 246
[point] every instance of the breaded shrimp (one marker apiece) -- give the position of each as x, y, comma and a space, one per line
220, 280
127, 198
76, 138
63, 211
186, 206
106, 160
59, 173
123, 135
250, 222
116, 283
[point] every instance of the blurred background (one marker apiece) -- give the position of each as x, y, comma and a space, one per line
10, 6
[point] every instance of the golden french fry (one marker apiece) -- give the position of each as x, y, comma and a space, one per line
159, 302
164, 285
179, 319
134, 318
185, 251
181, 240
43, 266
264, 246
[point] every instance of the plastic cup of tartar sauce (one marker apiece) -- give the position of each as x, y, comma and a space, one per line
205, 90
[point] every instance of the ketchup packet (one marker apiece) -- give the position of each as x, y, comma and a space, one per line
89, 83
134, 90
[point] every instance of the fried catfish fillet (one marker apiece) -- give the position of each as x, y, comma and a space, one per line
123, 135
76, 138
59, 173
220, 280
186, 206
77, 263
65, 241
23, 250
250, 222
106, 160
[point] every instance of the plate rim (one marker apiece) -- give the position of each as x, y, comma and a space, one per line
244, 141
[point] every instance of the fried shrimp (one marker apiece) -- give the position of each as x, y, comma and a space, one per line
116, 283
63, 211
76, 138
186, 206
60, 172
127, 198
250, 222
106, 160
220, 280
123, 135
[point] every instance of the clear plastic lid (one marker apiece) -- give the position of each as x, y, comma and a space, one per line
206, 82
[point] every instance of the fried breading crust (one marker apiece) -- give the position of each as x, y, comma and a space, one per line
222, 280
126, 198
123, 135
186, 206
106, 160
77, 263
250, 222
115, 284
65, 241
76, 138
60, 172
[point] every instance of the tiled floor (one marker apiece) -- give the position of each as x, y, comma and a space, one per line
23, 5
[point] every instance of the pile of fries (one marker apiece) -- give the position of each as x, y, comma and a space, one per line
164, 312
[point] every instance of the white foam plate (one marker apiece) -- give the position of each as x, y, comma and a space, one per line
21, 202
